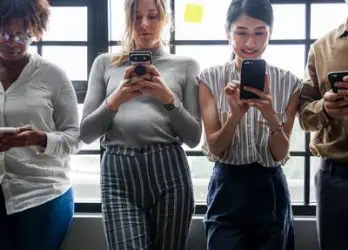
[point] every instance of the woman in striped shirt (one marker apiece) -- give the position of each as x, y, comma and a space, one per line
248, 198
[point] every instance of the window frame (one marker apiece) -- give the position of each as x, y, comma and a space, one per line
98, 42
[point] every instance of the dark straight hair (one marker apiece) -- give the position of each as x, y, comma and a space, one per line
258, 9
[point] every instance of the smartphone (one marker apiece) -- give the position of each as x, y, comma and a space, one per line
7, 130
253, 75
140, 58
336, 76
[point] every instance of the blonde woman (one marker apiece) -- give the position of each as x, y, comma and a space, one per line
147, 197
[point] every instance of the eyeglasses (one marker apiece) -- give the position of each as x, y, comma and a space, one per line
20, 38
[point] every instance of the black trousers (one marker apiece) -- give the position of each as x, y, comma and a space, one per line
331, 183
248, 209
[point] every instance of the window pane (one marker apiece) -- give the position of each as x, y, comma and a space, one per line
114, 49
206, 56
212, 26
294, 171
326, 17
85, 177
297, 140
315, 164
33, 49
289, 57
201, 170
116, 20
289, 21
94, 145
72, 59
67, 24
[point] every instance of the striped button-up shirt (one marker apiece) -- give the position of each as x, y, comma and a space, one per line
251, 140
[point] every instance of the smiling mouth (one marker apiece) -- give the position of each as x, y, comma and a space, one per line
249, 52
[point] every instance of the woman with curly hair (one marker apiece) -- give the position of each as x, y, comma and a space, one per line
38, 100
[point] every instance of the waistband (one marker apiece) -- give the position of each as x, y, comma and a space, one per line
148, 149
250, 167
334, 167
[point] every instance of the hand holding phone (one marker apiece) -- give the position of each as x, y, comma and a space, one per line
140, 59
335, 77
253, 75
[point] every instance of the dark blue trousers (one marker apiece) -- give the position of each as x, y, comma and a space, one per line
39, 228
331, 183
248, 209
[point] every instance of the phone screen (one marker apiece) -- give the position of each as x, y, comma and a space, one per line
252, 74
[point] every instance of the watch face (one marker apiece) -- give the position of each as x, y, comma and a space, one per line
176, 102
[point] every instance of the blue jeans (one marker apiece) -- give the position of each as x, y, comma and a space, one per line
248, 209
38, 228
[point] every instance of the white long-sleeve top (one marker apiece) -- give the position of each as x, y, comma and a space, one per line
43, 97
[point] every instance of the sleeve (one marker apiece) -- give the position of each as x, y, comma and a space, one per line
311, 113
65, 139
185, 119
96, 117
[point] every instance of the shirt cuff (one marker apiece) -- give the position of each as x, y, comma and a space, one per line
50, 146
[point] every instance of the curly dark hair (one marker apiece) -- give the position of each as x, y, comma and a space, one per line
34, 13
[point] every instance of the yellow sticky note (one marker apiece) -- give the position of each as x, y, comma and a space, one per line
194, 13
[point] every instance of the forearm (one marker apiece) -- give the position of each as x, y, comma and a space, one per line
221, 139
96, 123
312, 116
62, 143
186, 126
278, 140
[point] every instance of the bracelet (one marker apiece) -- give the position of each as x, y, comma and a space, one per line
277, 131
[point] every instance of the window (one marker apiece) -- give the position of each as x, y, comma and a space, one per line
80, 30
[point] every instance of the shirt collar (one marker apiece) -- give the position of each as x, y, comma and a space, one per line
342, 31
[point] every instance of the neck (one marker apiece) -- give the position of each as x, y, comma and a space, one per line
16, 64
156, 52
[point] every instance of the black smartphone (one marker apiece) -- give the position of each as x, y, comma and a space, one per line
140, 58
252, 74
334, 77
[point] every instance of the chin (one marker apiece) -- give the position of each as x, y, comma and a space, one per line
15, 57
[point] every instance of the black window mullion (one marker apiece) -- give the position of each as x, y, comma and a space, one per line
307, 161
172, 30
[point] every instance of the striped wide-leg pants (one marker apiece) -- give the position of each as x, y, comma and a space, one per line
147, 197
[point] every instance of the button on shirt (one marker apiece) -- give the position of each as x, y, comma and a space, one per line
43, 97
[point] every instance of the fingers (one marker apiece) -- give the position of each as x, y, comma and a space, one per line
336, 104
151, 69
267, 88
342, 91
24, 128
128, 72
330, 96
259, 93
339, 112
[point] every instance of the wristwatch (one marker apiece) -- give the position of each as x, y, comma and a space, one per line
174, 104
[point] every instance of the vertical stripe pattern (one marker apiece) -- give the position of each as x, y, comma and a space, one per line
147, 197
250, 142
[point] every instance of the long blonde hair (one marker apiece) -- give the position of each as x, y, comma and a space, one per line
128, 44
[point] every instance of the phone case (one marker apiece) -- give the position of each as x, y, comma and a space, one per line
252, 74
336, 76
